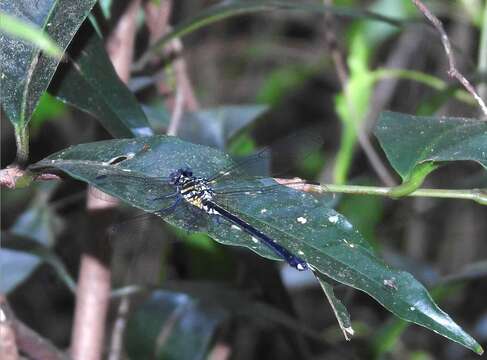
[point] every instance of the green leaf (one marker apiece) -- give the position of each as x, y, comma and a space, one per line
215, 126
212, 126
89, 82
171, 325
26, 70
416, 145
340, 311
49, 108
40, 226
296, 220
227, 9
21, 255
30, 33
239, 303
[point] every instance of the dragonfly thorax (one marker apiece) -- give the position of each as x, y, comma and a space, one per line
194, 190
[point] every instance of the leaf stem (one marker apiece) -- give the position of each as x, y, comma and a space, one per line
478, 195
22, 141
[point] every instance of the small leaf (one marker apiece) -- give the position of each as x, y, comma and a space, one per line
21, 256
171, 325
340, 311
412, 142
26, 70
296, 220
89, 82
40, 225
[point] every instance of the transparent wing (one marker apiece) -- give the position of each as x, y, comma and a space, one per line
281, 156
135, 188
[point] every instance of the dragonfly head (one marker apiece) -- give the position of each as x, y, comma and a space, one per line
176, 176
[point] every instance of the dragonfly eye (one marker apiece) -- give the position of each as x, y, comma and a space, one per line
187, 172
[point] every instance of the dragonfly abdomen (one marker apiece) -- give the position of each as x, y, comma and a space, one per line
281, 251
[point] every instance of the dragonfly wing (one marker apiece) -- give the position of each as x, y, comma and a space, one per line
158, 192
188, 217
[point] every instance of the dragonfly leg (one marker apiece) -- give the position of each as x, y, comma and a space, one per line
164, 197
169, 209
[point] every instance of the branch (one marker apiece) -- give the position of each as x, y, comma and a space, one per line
184, 98
343, 76
12, 177
94, 283
477, 195
452, 71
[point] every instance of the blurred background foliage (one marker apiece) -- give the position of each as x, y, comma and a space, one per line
258, 77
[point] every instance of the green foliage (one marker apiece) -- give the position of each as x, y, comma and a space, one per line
26, 70
32, 34
417, 145
34, 37
89, 82
331, 247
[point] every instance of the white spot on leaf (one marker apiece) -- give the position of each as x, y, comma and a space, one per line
333, 219
302, 220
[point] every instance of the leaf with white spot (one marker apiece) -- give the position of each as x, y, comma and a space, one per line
327, 241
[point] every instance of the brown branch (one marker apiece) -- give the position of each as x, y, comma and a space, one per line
94, 283
8, 345
11, 175
92, 300
116, 343
179, 99
342, 71
120, 44
452, 71
184, 98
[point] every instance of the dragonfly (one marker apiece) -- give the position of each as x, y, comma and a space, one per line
202, 201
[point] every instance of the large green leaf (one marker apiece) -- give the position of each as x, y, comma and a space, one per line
171, 325
26, 71
415, 145
89, 82
296, 220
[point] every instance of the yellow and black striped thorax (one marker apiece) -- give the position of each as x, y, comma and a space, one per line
196, 191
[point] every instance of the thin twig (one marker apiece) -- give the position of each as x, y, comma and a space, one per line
482, 56
116, 343
11, 175
452, 71
179, 100
120, 44
477, 195
8, 345
338, 59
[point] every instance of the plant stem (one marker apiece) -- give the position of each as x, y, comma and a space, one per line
482, 62
22, 141
478, 195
